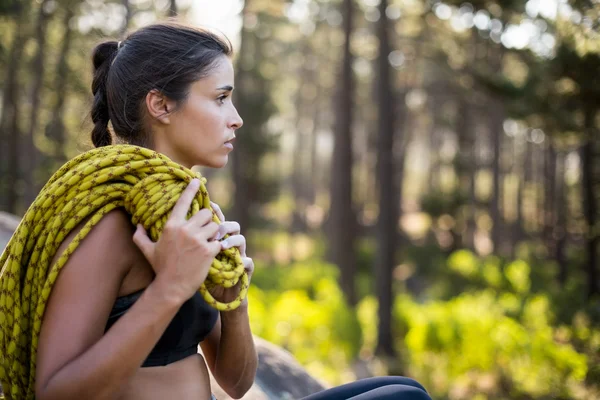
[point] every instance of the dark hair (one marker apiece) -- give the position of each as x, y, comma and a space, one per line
168, 57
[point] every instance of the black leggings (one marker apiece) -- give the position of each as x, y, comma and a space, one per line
385, 387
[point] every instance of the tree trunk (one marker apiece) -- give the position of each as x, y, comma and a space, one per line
388, 220
10, 132
533, 190
55, 130
240, 210
560, 228
527, 185
342, 221
403, 124
31, 154
435, 142
301, 149
465, 171
172, 8
549, 192
253, 99
496, 130
472, 196
314, 166
589, 200
518, 168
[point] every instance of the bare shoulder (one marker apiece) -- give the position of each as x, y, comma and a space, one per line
115, 228
84, 292
113, 232
115, 219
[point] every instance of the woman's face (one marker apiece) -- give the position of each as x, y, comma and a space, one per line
201, 130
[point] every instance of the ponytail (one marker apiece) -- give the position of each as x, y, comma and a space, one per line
103, 56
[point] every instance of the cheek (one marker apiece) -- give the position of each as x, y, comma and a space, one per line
213, 123
206, 115
202, 123
190, 123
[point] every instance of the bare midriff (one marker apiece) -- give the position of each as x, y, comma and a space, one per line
186, 379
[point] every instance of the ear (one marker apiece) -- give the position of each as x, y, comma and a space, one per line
159, 106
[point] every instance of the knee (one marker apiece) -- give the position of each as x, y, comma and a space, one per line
397, 380
413, 393
394, 392
411, 382
416, 393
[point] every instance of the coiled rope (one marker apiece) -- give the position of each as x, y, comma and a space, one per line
147, 184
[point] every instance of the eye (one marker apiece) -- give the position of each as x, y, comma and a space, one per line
221, 99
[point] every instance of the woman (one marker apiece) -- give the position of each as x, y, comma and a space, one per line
122, 301
124, 317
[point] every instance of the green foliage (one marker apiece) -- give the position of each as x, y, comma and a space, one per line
299, 276
10, 7
457, 345
366, 249
437, 203
497, 336
465, 263
517, 274
302, 309
500, 328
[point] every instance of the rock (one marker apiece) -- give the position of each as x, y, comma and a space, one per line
279, 375
8, 224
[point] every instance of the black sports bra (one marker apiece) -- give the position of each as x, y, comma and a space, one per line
192, 323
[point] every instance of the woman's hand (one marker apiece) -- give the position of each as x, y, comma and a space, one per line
235, 239
185, 251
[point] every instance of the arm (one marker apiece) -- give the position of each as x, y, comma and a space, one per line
230, 353
229, 348
75, 358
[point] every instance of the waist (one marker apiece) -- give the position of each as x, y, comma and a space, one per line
184, 379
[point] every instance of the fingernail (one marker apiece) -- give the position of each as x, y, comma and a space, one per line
219, 236
224, 244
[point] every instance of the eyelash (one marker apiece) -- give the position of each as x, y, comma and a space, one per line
221, 99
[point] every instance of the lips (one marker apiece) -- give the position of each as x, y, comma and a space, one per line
229, 143
230, 140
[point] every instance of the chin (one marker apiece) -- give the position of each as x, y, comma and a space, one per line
217, 162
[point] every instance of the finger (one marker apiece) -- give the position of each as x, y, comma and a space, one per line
184, 202
235, 241
201, 218
248, 265
143, 242
228, 228
218, 211
209, 231
215, 248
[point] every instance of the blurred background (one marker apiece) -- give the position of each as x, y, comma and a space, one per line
418, 180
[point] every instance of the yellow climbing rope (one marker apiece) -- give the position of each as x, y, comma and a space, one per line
147, 184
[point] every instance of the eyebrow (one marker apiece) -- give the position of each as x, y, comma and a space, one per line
228, 88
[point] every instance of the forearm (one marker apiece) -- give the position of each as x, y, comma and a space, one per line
237, 359
104, 370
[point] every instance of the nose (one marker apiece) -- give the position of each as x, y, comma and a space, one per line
236, 120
